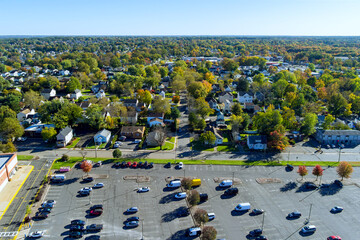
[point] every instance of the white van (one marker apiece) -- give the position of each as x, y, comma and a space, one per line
243, 207
226, 183
194, 231
58, 178
174, 184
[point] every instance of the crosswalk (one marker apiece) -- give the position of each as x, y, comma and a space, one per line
8, 234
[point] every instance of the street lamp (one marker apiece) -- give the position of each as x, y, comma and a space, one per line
263, 220
339, 153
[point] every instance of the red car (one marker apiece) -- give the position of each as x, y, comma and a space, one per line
134, 165
334, 238
128, 164
96, 212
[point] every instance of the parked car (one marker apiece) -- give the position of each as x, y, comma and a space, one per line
143, 189
333, 146
334, 238
181, 195
128, 164
231, 191
211, 216
88, 179
117, 144
42, 215
134, 165
151, 165
96, 212
122, 138
203, 197
130, 219
327, 146
21, 139
123, 164
261, 238
76, 227
289, 167
136, 141
84, 193
308, 229
98, 185
93, 237
140, 164
50, 202
98, 164
295, 214
45, 210
47, 205
168, 165
117, 165
194, 232
97, 206
255, 232
180, 165
257, 211
132, 224
76, 234
94, 227
37, 234
132, 210
337, 209
338, 183
77, 222
86, 189
145, 165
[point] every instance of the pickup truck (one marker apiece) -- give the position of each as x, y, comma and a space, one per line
94, 227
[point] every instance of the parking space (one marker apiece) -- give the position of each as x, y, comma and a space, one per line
158, 211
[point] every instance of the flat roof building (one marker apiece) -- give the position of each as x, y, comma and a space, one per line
8, 166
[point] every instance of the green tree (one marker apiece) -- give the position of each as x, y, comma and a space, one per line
32, 99
194, 198
311, 67
9, 147
4, 83
279, 88
229, 64
202, 107
72, 85
208, 138
209, 233
94, 117
115, 62
243, 85
329, 119
117, 153
6, 112
48, 133
197, 90
269, 121
236, 109
161, 105
337, 104
10, 128
163, 72
175, 113
309, 123
289, 119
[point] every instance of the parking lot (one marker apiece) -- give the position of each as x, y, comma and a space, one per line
158, 210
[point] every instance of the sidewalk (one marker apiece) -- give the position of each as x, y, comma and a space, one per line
12, 188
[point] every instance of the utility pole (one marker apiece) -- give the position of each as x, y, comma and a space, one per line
184, 172
262, 226
310, 212
339, 154
233, 173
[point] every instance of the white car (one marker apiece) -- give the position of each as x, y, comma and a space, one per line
181, 195
37, 234
137, 141
98, 185
86, 189
309, 229
180, 165
211, 216
143, 189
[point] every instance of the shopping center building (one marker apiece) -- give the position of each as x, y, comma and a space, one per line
8, 166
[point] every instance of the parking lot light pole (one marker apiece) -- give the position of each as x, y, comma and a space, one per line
310, 212
339, 154
262, 226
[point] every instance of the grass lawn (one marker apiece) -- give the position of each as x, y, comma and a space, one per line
166, 146
226, 148
86, 91
92, 146
73, 144
25, 157
197, 146
73, 160
171, 139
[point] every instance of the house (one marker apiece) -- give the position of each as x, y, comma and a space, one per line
101, 85
153, 115
155, 138
251, 107
64, 137
259, 96
227, 106
162, 94
131, 118
215, 88
102, 136
166, 82
257, 142
48, 93
100, 94
347, 137
136, 132
223, 96
8, 167
76, 94
219, 138
156, 122
84, 105
36, 129
24, 114
64, 72
130, 103
227, 89
220, 120
244, 97
212, 103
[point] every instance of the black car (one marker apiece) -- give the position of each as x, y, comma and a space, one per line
231, 191
88, 179
294, 215
203, 197
77, 222
168, 165
76, 234
257, 211
145, 164
310, 185
84, 193
76, 228
133, 219
151, 165
97, 206
93, 237
117, 165
255, 232
289, 167
123, 164
261, 238
338, 183
140, 165
42, 214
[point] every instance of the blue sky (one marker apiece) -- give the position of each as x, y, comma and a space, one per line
175, 17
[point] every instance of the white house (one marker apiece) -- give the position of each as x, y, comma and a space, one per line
21, 116
76, 94
162, 94
227, 106
102, 136
257, 142
244, 97
219, 138
48, 93
100, 94
64, 137
64, 72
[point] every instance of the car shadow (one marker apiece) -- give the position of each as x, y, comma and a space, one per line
223, 196
167, 189
66, 233
128, 228
303, 188
288, 187
331, 190
305, 234
180, 235
88, 216
238, 213
291, 218
167, 199
128, 213
221, 188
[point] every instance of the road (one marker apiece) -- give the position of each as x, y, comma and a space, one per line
16, 212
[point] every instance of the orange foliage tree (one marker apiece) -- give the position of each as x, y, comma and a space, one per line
86, 166
277, 141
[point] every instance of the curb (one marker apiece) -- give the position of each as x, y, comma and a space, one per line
12, 199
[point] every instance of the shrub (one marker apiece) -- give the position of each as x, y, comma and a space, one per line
186, 183
117, 153
65, 158
201, 216
209, 233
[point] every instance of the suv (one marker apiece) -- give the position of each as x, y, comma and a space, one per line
295, 214
194, 232
308, 229
203, 197
231, 191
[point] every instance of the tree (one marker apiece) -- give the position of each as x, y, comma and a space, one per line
302, 171
277, 141
201, 216
186, 183
94, 116
201, 124
329, 119
175, 113
337, 105
161, 105
202, 107
208, 138
309, 123
48, 133
72, 85
10, 128
159, 136
117, 153
289, 119
229, 64
243, 85
317, 171
86, 166
65, 158
9, 147
209, 233
178, 84
197, 90
6, 112
115, 62
176, 99
279, 88
269, 121
4, 84
163, 72
236, 109
194, 198
32, 99
144, 96
344, 170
